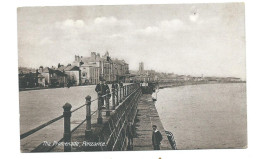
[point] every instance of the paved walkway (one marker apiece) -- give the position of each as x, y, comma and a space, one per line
147, 116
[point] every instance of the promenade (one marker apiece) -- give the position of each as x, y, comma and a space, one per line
147, 116
134, 106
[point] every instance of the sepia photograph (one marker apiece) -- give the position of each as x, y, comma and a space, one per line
132, 77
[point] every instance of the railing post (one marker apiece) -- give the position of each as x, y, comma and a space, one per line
120, 94
88, 117
67, 133
100, 104
123, 92
107, 103
113, 99
126, 90
117, 100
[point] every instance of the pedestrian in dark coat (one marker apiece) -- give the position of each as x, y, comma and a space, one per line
115, 88
107, 90
156, 138
130, 134
114, 85
101, 90
121, 84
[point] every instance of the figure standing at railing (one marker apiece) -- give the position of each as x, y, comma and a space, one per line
107, 89
121, 90
115, 93
114, 86
101, 90
121, 84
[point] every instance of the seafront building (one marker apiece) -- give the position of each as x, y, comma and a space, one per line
95, 67
82, 71
143, 75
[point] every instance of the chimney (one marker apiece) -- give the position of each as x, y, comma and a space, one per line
77, 58
107, 53
81, 63
98, 55
93, 55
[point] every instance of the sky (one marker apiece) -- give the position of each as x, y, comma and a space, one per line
188, 39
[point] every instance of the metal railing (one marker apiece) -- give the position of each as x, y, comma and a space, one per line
118, 94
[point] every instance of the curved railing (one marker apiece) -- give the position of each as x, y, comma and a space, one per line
118, 95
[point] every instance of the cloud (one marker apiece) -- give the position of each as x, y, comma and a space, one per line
174, 24
111, 21
101, 26
73, 23
165, 28
117, 36
194, 15
151, 29
180, 37
105, 20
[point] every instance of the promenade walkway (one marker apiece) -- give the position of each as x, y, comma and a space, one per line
147, 116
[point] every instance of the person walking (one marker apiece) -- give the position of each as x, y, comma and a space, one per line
115, 88
107, 90
156, 138
114, 85
130, 134
101, 90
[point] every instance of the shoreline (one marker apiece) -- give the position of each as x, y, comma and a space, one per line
160, 87
190, 83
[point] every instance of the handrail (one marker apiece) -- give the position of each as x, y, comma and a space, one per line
78, 126
121, 93
32, 131
109, 138
40, 127
78, 108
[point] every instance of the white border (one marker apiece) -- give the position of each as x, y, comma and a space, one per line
9, 116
